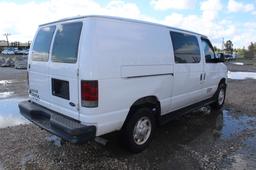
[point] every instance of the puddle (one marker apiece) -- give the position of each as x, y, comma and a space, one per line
11, 88
10, 114
6, 94
241, 75
245, 156
6, 82
57, 141
204, 128
238, 63
233, 125
184, 143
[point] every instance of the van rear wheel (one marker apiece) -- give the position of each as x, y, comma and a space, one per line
220, 97
138, 130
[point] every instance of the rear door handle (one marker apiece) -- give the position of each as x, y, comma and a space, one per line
201, 77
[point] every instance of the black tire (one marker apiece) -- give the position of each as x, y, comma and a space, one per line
217, 104
128, 138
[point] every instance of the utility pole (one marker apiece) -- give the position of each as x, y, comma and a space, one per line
223, 44
6, 35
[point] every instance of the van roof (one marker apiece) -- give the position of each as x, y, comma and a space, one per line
122, 19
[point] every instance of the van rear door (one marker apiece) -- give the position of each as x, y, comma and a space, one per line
38, 65
53, 68
63, 69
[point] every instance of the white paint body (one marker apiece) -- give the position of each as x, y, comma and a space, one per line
124, 55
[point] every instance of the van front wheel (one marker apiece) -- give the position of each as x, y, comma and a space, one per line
138, 131
220, 97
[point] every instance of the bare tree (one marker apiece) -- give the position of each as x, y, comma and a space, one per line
6, 35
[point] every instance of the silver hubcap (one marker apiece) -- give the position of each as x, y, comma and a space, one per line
142, 130
221, 97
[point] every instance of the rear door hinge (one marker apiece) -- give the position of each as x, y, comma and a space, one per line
77, 73
77, 107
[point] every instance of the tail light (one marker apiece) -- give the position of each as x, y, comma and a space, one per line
89, 93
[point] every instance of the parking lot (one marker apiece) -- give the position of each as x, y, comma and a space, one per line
199, 140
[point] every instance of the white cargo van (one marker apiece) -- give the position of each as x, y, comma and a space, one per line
93, 75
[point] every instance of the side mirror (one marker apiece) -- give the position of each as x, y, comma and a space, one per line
215, 58
221, 57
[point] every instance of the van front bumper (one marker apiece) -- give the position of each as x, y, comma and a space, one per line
67, 128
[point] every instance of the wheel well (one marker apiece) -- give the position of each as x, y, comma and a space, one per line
223, 80
149, 102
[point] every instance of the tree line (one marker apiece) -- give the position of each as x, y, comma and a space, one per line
249, 52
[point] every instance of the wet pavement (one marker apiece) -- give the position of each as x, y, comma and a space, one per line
238, 63
9, 113
241, 75
199, 140
11, 88
12, 83
233, 123
245, 157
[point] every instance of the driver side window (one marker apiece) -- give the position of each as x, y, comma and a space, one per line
208, 51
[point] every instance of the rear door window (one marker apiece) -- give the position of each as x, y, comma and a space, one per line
65, 46
186, 48
41, 47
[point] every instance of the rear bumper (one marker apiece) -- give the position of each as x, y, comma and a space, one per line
67, 128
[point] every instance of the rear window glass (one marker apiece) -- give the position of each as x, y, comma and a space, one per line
41, 47
66, 43
186, 48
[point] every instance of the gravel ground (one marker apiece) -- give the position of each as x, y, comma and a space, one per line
220, 140
196, 141
8, 73
241, 95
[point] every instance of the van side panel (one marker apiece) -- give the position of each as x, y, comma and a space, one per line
130, 61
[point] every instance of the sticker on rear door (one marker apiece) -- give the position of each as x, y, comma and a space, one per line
34, 93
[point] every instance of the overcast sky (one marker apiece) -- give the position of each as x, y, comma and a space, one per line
231, 19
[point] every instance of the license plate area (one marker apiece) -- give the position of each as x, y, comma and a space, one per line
60, 88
